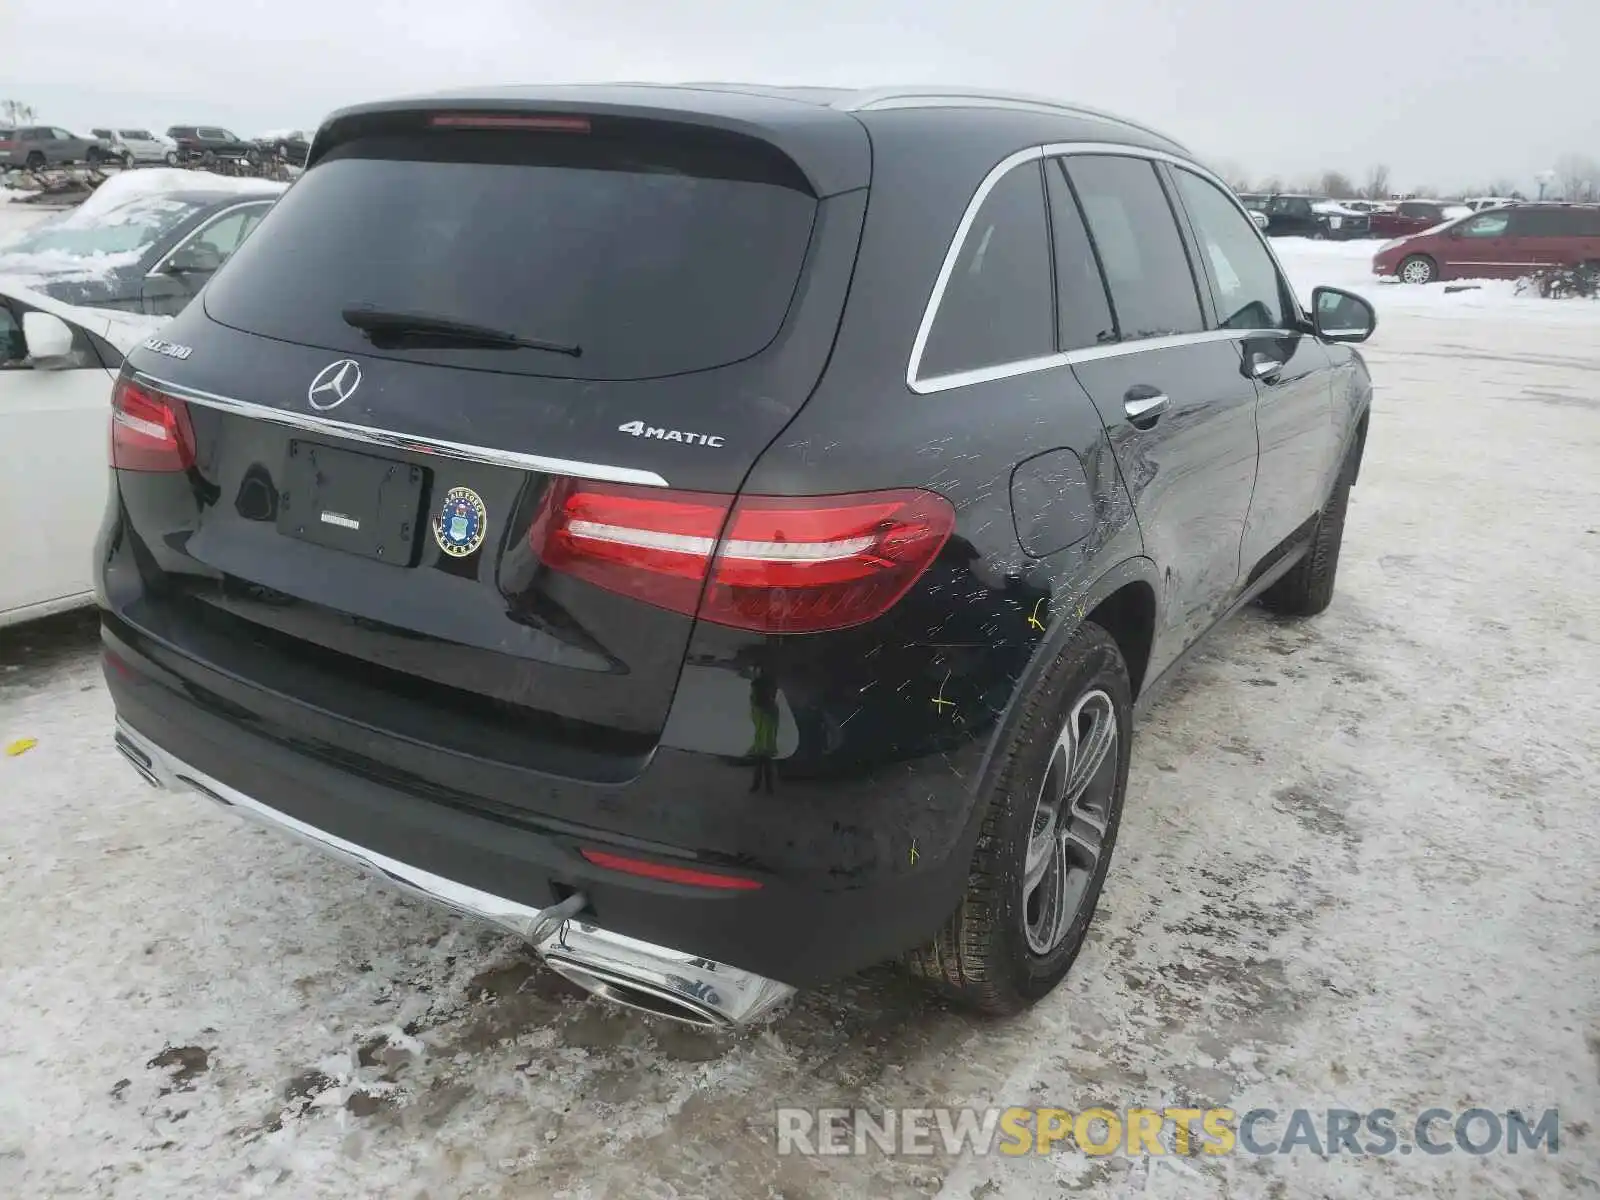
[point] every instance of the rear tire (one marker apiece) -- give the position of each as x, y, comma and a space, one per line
1418, 268
35, 161
172, 158
987, 955
1308, 587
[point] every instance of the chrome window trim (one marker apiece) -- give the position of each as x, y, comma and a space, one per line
1011, 162
944, 383
390, 440
205, 225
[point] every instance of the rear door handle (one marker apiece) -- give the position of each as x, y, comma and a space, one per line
1144, 406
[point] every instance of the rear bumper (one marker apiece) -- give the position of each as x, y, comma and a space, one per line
512, 872
657, 978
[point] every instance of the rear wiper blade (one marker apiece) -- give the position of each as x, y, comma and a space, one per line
386, 323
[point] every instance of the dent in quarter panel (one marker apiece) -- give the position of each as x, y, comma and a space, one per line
1051, 503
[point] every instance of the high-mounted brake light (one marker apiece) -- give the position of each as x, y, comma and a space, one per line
667, 873
774, 564
504, 121
150, 430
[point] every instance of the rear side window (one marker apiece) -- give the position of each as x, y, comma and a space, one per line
1537, 222
1083, 309
652, 255
996, 307
1244, 280
1146, 266
1556, 222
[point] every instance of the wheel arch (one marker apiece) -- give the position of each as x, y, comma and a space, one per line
1123, 601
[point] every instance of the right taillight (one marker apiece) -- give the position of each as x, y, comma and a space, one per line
150, 430
774, 564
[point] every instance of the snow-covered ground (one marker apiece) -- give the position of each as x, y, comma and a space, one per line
1359, 868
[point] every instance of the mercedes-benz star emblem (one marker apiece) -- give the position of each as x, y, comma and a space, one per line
334, 384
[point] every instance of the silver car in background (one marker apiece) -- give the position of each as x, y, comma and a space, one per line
137, 145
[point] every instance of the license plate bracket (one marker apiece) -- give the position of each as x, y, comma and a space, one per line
358, 503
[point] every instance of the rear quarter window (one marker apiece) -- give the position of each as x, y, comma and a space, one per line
654, 258
996, 308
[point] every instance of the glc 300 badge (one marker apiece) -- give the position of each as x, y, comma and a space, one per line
461, 523
170, 349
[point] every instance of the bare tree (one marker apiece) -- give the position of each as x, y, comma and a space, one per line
1336, 185
1271, 185
1232, 174
1502, 186
1579, 177
1377, 187
15, 112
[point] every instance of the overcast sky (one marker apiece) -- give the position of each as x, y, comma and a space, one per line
1446, 92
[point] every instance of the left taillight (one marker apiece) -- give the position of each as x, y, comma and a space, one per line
773, 564
150, 430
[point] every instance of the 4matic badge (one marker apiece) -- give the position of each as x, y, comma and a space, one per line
640, 429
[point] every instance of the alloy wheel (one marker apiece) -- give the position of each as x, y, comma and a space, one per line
1069, 821
1416, 271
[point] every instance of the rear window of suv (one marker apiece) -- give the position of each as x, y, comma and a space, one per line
655, 254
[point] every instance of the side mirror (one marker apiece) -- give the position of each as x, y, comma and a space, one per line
49, 340
193, 260
1340, 316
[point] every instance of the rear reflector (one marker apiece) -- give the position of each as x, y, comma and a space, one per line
150, 430
502, 121
774, 564
668, 874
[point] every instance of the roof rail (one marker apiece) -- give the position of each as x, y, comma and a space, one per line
932, 97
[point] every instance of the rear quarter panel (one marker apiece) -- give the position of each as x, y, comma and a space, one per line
890, 726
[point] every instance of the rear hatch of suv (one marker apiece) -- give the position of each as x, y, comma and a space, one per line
349, 474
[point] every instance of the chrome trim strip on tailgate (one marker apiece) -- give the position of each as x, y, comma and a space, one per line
389, 440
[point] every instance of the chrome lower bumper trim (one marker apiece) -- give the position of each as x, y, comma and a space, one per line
667, 982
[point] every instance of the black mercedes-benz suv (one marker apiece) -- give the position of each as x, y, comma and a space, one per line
719, 533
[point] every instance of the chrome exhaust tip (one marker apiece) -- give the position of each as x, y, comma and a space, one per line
140, 761
657, 980
652, 979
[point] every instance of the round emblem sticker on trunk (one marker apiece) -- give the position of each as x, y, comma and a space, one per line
461, 523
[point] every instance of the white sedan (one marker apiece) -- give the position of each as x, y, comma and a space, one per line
57, 365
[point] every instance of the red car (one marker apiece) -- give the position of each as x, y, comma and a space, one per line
1499, 243
1409, 216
